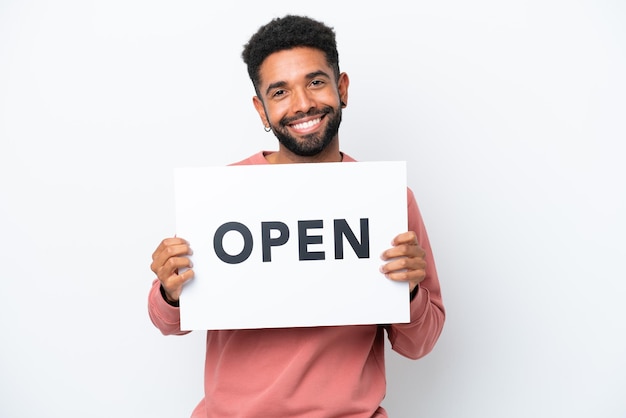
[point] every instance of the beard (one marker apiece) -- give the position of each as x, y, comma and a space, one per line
314, 143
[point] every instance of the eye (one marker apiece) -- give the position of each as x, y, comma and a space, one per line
278, 93
317, 83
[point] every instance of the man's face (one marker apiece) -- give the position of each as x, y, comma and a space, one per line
301, 100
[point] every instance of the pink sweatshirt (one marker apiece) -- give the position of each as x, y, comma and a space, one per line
309, 372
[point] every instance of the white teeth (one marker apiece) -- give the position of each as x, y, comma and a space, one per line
308, 124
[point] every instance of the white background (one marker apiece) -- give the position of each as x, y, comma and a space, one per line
510, 115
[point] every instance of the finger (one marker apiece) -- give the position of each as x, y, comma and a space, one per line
173, 285
403, 264
408, 237
172, 266
168, 243
404, 244
169, 252
414, 276
404, 250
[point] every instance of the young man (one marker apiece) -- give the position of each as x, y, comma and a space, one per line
316, 371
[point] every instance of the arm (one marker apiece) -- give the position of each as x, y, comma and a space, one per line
162, 314
170, 256
415, 265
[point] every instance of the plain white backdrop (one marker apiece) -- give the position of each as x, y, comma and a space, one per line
510, 115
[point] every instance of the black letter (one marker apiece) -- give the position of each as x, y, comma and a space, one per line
269, 242
218, 241
362, 249
304, 240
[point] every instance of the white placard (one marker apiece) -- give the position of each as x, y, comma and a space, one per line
291, 245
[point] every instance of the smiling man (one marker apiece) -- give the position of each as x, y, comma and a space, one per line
316, 371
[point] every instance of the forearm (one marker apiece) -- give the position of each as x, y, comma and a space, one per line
418, 337
163, 315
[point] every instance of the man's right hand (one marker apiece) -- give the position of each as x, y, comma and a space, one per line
171, 255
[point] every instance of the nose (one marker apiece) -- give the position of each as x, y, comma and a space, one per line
301, 100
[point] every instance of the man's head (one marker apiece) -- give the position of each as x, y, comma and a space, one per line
286, 33
294, 66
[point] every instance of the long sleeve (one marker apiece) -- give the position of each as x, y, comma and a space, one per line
418, 338
164, 316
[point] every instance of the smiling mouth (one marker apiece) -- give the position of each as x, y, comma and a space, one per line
307, 124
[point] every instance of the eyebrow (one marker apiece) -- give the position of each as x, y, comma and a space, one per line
309, 76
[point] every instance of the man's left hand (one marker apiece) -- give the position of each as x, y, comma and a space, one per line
405, 260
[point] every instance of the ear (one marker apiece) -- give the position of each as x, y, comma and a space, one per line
258, 105
342, 87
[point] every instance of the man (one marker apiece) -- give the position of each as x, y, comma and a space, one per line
317, 371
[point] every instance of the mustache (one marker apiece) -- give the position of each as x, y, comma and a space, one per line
313, 112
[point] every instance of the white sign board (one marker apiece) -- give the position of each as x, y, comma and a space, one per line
291, 245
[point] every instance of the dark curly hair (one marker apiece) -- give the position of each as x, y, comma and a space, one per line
286, 33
